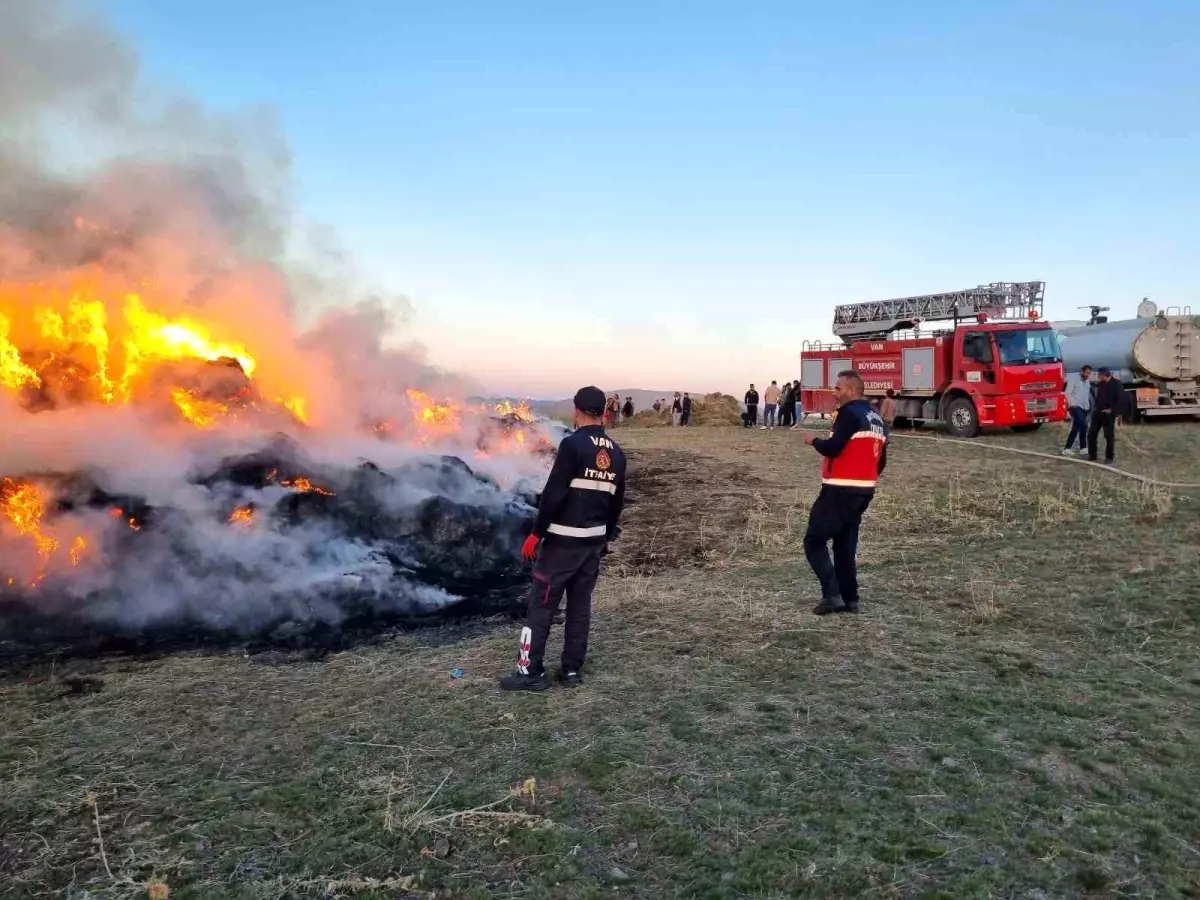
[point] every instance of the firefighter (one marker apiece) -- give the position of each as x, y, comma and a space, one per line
577, 517
855, 455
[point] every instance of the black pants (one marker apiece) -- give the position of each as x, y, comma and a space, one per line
1106, 421
751, 417
789, 413
835, 516
563, 565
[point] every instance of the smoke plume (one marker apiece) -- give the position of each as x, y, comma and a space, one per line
202, 430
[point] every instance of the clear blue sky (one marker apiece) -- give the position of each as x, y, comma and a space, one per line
675, 194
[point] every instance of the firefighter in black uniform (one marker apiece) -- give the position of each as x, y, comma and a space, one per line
577, 517
855, 455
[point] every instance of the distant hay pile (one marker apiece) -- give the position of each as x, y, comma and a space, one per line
716, 409
713, 409
648, 418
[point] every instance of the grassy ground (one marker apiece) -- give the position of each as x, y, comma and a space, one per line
1015, 715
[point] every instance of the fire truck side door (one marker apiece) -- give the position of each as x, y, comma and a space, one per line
976, 358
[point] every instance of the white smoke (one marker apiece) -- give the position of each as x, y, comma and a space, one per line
106, 179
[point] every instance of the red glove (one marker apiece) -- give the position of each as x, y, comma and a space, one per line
529, 548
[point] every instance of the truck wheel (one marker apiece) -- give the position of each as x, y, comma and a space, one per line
962, 419
1025, 429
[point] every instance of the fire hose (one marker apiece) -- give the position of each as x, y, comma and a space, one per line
1144, 479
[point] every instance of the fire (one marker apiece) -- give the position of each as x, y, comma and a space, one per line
14, 374
156, 337
243, 515
519, 411
24, 505
433, 419
77, 550
297, 406
304, 486
85, 345
197, 410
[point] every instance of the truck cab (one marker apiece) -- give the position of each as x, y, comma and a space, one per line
1012, 374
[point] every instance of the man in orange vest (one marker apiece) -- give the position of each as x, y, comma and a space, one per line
855, 455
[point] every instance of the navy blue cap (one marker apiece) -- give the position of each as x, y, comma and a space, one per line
590, 400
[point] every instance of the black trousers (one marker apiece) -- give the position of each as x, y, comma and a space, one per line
564, 565
751, 418
835, 517
787, 414
1106, 421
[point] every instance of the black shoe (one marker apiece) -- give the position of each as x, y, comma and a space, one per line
1110, 462
570, 679
848, 608
518, 682
1092, 459
829, 605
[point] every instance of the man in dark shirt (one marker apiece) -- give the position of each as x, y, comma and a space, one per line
751, 417
1110, 395
577, 517
685, 410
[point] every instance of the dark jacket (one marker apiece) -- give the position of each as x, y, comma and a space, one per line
752, 398
677, 406
1110, 396
585, 492
687, 405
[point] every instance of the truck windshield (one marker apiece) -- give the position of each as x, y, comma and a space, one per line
1034, 345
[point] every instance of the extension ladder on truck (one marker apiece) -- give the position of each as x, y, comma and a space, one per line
875, 319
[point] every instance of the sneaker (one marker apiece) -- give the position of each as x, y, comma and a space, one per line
848, 608
829, 605
1110, 462
570, 679
1068, 452
518, 682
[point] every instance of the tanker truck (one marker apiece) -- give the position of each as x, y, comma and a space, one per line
1156, 356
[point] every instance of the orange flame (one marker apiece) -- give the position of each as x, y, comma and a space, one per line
433, 419
24, 505
304, 486
243, 515
197, 410
77, 550
91, 349
519, 411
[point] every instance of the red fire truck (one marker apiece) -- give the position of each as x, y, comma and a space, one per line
996, 365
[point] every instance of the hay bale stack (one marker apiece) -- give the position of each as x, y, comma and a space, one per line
716, 409
648, 418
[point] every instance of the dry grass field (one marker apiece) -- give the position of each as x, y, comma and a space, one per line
1016, 714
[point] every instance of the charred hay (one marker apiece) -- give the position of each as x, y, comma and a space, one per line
427, 541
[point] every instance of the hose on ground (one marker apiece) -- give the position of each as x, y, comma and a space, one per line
1144, 479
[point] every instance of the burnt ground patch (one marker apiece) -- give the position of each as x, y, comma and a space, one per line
683, 509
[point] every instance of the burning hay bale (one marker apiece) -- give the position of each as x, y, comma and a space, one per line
151, 352
260, 549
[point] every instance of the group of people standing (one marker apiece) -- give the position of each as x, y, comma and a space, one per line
615, 413
782, 405
1093, 407
681, 408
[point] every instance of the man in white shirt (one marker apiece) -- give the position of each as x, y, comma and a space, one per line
1079, 404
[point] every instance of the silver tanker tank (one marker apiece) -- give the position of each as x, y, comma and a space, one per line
1157, 357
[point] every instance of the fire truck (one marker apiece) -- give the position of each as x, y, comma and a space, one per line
992, 363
